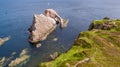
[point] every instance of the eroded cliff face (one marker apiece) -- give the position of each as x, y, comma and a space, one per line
42, 26
105, 24
98, 47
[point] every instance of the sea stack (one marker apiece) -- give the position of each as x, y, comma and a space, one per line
44, 24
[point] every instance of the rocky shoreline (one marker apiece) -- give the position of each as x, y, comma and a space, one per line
97, 47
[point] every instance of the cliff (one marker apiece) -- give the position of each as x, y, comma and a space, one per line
98, 47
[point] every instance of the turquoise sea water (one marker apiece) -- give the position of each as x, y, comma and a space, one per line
16, 17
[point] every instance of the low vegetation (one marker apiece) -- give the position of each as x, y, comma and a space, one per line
98, 47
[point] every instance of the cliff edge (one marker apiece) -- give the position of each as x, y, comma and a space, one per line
97, 47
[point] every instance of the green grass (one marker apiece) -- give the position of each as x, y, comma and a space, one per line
102, 22
101, 46
75, 53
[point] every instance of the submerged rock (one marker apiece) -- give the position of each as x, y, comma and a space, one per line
21, 60
38, 45
55, 39
2, 61
44, 24
54, 55
3, 40
5, 60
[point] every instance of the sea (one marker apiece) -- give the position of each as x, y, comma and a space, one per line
16, 17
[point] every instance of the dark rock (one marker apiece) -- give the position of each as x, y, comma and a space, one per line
106, 18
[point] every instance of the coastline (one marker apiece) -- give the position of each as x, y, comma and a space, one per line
99, 46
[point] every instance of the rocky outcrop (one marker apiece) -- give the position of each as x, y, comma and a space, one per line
3, 40
105, 24
44, 24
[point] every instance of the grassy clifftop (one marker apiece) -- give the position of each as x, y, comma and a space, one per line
98, 47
